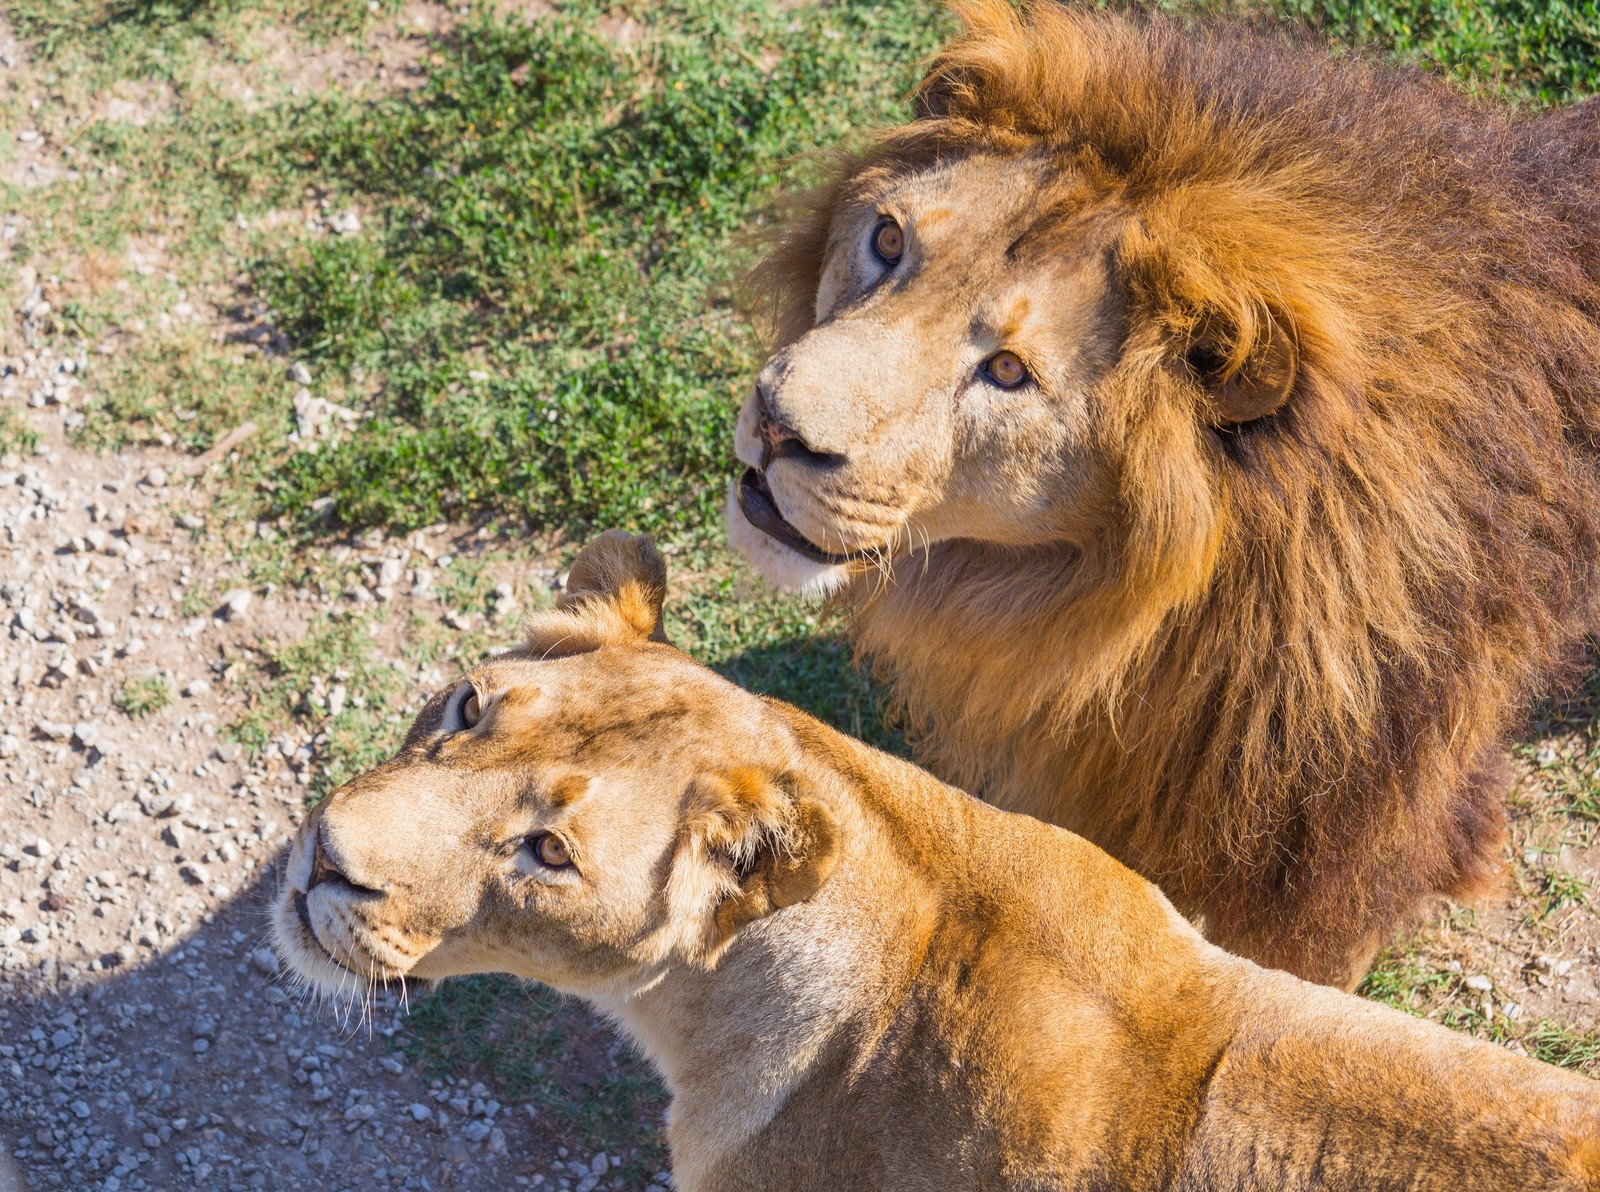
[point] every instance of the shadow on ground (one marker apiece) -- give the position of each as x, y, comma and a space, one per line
197, 1069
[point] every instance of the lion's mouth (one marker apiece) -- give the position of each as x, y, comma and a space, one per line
761, 511
302, 912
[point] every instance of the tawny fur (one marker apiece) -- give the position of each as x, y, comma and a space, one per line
1278, 674
853, 977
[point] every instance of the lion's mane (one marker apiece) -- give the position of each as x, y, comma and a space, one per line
1280, 682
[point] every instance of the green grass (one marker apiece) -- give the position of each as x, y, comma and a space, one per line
298, 684
16, 435
538, 290
544, 1054
1558, 889
140, 697
1531, 50
1407, 980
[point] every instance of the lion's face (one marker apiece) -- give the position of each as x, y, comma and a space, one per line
964, 316
570, 815
1005, 345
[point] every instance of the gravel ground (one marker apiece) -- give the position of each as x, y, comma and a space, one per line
144, 1040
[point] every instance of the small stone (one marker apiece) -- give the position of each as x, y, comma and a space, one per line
264, 962
37, 934
346, 224
1479, 983
419, 1112
201, 1046
156, 478
39, 848
63, 1038
235, 604
194, 873
600, 1164
197, 687
299, 373
476, 1130
80, 1109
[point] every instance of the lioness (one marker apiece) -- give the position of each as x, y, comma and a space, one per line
854, 977
1205, 437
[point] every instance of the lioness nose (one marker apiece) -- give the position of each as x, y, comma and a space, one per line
781, 441
322, 866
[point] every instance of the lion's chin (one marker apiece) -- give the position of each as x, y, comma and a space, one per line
782, 567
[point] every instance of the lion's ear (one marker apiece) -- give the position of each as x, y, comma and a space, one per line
626, 574
781, 869
774, 846
1247, 371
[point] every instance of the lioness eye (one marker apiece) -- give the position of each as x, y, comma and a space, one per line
888, 241
551, 850
1006, 369
471, 710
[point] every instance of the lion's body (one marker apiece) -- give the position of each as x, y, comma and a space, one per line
853, 977
1275, 671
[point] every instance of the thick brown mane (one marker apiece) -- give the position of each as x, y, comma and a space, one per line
1282, 676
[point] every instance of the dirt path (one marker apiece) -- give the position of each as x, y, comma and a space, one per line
145, 1042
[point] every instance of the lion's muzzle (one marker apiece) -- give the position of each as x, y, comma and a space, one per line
761, 511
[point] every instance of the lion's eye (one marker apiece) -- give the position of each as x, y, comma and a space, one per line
471, 710
1006, 369
551, 850
889, 241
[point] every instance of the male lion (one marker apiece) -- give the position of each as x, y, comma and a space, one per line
1206, 437
854, 977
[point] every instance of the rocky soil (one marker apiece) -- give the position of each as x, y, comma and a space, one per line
144, 1039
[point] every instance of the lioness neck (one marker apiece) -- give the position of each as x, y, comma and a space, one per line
811, 984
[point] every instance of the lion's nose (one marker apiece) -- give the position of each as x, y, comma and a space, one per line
322, 866
326, 868
779, 440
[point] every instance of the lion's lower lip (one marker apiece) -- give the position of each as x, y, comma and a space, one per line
759, 509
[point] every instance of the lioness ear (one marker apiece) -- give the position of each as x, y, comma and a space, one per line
776, 848
782, 869
1248, 372
624, 571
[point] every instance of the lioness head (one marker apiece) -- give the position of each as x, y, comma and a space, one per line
568, 813
993, 329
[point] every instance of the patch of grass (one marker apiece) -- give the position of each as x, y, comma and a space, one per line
1557, 889
777, 646
141, 697
1564, 1046
1543, 51
136, 38
547, 235
1404, 979
551, 1053
329, 681
16, 435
